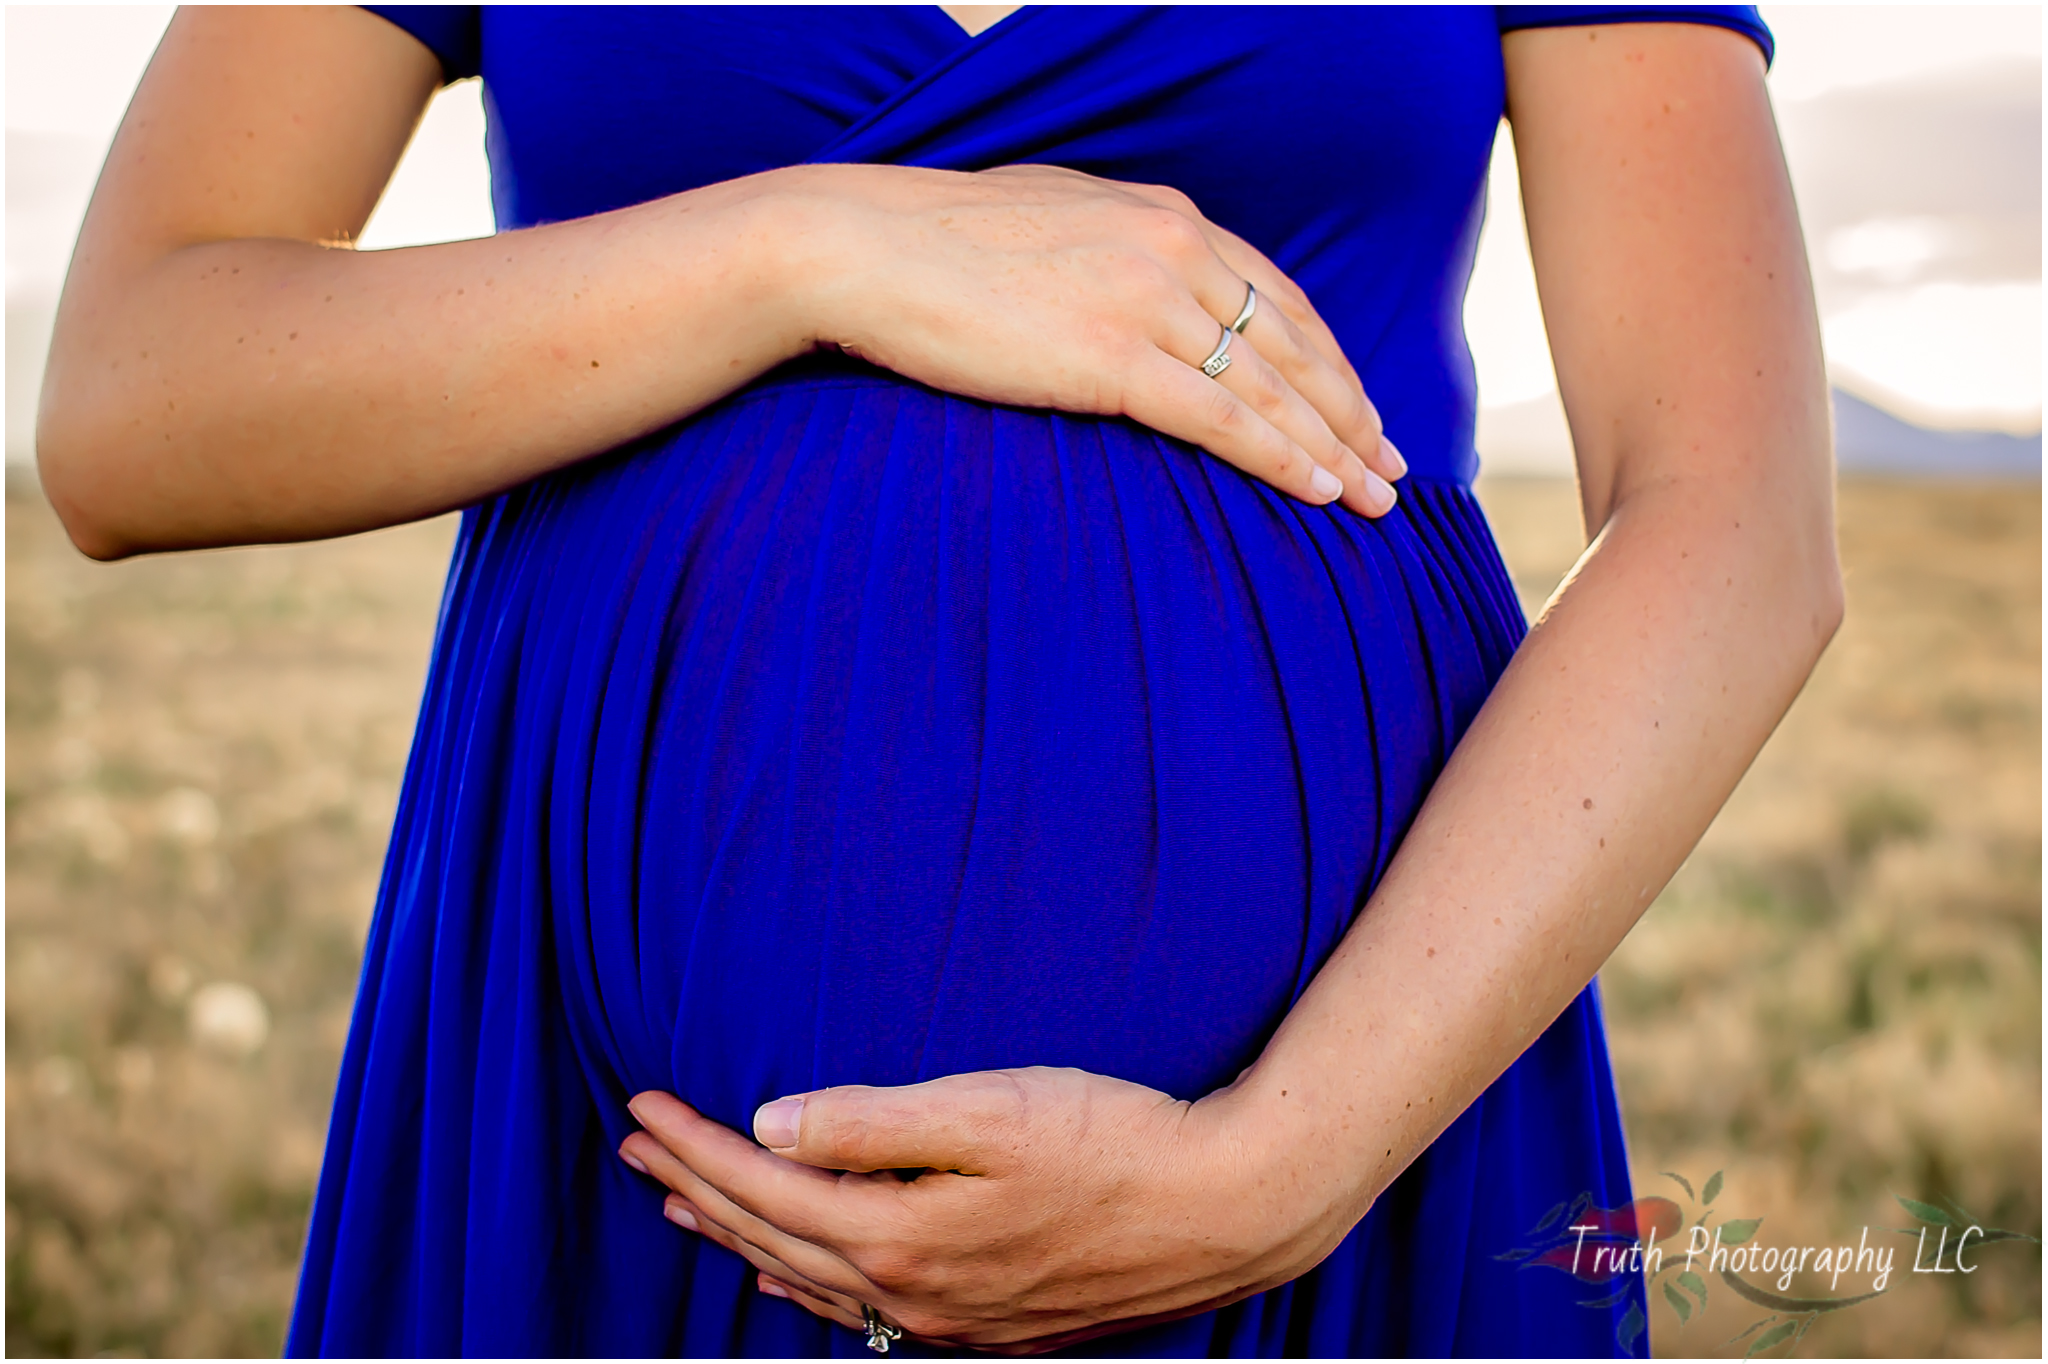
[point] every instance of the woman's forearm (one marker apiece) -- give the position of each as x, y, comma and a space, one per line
1676, 295
1615, 735
273, 389
224, 370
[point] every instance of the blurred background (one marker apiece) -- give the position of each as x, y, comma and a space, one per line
1837, 1001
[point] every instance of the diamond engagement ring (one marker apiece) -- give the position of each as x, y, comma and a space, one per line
1244, 314
1219, 359
880, 1332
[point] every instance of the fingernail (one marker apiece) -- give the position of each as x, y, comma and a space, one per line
633, 1161
773, 1289
680, 1216
1379, 494
1392, 457
776, 1124
1326, 486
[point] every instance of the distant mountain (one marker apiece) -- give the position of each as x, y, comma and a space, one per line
1870, 440
1530, 439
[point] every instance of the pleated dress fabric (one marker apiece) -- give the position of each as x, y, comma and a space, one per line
854, 732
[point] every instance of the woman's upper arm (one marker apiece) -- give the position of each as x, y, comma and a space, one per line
1669, 259
253, 122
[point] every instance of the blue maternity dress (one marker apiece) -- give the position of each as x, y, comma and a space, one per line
854, 732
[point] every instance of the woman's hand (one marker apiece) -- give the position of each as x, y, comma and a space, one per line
1044, 287
1053, 1205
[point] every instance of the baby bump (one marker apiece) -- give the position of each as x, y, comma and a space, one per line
895, 735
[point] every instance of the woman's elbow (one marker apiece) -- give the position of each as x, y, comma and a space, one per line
1812, 592
71, 464
88, 537
1825, 599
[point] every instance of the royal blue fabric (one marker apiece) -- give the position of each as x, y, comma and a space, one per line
853, 732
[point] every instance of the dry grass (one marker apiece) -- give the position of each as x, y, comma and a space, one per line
1838, 999
202, 767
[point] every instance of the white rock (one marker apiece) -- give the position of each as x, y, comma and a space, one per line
189, 815
228, 1018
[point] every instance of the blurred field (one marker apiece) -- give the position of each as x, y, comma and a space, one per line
1839, 999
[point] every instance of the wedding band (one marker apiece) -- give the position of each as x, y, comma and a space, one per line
880, 1332
1244, 314
1219, 359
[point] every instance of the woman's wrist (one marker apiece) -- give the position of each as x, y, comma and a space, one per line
1278, 1170
826, 247
783, 230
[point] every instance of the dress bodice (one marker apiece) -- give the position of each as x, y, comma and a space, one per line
1348, 143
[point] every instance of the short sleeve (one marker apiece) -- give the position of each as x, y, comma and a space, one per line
1743, 19
454, 33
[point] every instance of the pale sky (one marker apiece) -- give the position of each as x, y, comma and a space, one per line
1913, 133
1914, 137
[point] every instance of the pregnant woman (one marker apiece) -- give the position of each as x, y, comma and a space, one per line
933, 635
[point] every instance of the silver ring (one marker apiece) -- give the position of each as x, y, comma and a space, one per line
1219, 359
880, 1332
1244, 314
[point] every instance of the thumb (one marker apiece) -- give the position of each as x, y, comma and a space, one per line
963, 1123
